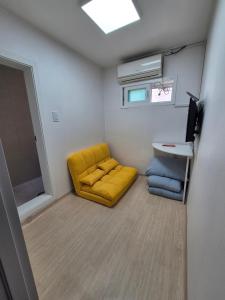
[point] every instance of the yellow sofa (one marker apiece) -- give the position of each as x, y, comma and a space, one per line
103, 186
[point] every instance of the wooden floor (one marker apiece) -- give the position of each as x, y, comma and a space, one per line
80, 250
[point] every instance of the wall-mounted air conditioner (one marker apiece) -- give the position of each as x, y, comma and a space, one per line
142, 69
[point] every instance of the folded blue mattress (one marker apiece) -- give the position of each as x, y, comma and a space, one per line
167, 167
165, 183
166, 193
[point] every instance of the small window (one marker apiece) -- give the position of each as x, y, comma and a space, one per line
155, 92
136, 95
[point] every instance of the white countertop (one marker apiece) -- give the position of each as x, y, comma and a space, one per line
185, 150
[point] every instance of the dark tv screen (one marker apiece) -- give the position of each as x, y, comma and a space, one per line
192, 120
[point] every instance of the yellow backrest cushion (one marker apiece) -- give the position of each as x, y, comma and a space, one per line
93, 177
108, 165
85, 161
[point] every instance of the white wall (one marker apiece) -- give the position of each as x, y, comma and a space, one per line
206, 202
67, 83
130, 132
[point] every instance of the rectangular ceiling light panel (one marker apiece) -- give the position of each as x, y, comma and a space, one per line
111, 15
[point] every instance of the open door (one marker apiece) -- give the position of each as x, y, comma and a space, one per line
16, 278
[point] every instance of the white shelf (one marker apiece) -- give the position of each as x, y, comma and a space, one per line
185, 150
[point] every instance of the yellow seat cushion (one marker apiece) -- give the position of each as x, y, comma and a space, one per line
112, 185
108, 189
108, 165
93, 177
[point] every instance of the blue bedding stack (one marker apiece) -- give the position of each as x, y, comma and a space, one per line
166, 177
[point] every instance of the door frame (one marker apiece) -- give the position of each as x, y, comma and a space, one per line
30, 70
17, 281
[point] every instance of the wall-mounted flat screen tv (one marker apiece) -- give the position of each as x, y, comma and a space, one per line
195, 118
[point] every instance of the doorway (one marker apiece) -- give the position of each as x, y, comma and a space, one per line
38, 187
18, 138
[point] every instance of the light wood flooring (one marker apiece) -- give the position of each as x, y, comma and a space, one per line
80, 250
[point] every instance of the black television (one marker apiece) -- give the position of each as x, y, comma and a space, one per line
195, 118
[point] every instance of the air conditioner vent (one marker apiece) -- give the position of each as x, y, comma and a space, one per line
139, 70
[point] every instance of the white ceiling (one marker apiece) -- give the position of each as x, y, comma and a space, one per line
164, 24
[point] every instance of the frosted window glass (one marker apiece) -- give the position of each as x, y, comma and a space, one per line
137, 95
161, 96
